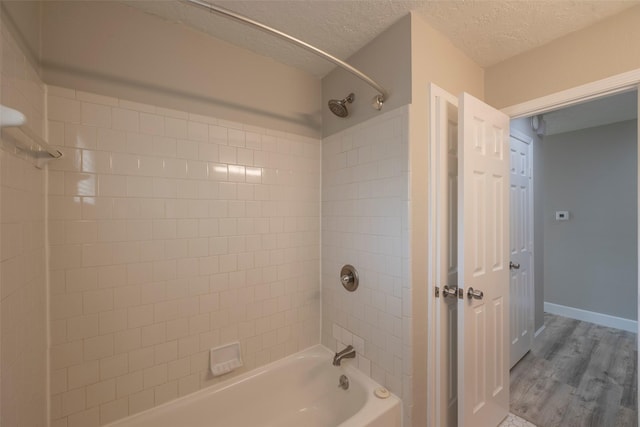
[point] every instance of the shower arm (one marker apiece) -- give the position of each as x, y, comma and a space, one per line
378, 99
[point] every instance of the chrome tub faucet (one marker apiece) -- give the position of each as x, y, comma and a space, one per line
347, 353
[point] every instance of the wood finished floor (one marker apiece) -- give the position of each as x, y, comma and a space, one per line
577, 375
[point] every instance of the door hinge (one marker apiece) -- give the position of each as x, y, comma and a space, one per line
437, 292
460, 293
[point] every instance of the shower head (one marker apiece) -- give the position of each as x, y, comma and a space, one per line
339, 106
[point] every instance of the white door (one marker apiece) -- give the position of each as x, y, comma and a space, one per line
444, 176
521, 248
483, 266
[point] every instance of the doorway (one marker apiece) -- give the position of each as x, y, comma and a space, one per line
582, 365
594, 90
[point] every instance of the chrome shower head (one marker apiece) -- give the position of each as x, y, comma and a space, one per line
339, 106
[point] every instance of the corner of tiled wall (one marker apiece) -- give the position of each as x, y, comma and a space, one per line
23, 327
365, 223
171, 233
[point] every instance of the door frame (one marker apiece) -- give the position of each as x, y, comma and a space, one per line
608, 86
435, 200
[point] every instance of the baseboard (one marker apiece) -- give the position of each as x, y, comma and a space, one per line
539, 331
592, 317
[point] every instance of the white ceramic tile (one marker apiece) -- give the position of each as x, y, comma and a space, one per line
61, 92
73, 401
197, 170
136, 106
63, 109
175, 232
202, 119
356, 200
227, 154
197, 131
102, 392
96, 115
245, 157
218, 135
152, 124
175, 127
187, 149
139, 143
164, 146
127, 120
80, 184
113, 367
111, 140
96, 99
112, 186
171, 113
96, 162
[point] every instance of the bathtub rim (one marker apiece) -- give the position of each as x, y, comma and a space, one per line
316, 351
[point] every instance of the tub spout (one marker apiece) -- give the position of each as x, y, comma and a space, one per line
347, 353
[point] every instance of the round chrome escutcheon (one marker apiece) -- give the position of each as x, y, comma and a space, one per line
349, 278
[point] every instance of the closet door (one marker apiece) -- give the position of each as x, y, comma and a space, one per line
520, 248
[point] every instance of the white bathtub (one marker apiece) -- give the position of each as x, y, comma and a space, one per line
300, 390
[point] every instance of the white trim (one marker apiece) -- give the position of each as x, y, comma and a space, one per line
436, 200
609, 86
592, 317
520, 136
539, 331
638, 243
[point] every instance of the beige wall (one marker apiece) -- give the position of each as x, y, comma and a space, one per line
23, 18
387, 60
608, 48
436, 60
112, 49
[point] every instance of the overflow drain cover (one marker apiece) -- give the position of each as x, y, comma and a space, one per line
381, 393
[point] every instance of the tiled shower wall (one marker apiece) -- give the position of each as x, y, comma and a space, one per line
23, 305
170, 234
365, 191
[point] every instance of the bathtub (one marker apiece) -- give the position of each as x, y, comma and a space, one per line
300, 390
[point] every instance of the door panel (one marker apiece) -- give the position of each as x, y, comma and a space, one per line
483, 264
520, 248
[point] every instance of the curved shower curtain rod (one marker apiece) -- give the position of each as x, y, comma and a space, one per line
378, 99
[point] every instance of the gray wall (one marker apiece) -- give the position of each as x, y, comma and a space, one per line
523, 125
590, 261
387, 60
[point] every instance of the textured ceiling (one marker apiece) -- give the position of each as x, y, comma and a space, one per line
487, 31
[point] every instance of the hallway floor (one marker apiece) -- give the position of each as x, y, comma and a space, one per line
577, 374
